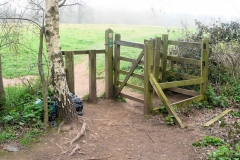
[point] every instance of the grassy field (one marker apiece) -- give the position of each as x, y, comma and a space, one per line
23, 60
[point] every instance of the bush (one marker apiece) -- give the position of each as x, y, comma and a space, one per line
224, 59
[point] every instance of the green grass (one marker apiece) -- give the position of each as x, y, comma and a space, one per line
23, 60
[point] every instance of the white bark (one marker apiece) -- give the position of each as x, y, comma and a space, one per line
66, 110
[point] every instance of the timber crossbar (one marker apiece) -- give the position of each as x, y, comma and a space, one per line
119, 85
155, 64
69, 63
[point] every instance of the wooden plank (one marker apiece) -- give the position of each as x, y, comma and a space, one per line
69, 60
163, 58
131, 86
129, 44
109, 63
132, 98
204, 67
181, 83
92, 77
188, 101
156, 66
130, 73
184, 91
186, 44
130, 60
217, 118
184, 60
179, 75
133, 75
148, 61
78, 52
116, 63
164, 99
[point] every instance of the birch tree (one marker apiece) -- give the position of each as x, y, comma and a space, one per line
46, 17
66, 110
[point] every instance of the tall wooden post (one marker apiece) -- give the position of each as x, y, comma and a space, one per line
156, 67
163, 57
116, 63
148, 62
69, 62
204, 67
109, 63
92, 76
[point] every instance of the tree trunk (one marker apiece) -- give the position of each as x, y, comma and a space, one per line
2, 92
66, 110
43, 80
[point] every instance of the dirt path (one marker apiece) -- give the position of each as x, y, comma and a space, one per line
117, 131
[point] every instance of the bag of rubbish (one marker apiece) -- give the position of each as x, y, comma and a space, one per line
78, 104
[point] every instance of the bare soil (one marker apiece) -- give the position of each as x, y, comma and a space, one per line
120, 131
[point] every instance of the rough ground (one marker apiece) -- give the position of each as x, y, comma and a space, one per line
120, 131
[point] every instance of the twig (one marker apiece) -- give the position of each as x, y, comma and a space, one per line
60, 147
149, 136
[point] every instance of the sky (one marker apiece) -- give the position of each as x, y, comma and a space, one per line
228, 8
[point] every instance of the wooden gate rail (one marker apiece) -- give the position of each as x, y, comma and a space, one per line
118, 85
69, 63
156, 72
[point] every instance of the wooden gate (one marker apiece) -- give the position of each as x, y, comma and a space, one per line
156, 61
119, 85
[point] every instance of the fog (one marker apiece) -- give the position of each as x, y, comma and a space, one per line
95, 15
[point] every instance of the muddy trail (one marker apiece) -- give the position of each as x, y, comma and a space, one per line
118, 131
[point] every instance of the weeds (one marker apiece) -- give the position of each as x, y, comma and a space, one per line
209, 140
86, 98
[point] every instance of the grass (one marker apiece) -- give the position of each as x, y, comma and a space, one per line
22, 60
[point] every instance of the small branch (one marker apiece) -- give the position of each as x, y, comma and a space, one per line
60, 147
62, 4
149, 136
25, 19
73, 4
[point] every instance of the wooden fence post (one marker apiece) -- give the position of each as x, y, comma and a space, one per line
204, 67
116, 63
69, 62
92, 76
156, 65
163, 57
148, 62
109, 63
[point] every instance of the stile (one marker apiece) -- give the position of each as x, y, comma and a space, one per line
116, 63
109, 63
148, 62
163, 58
69, 62
204, 67
92, 76
164, 99
156, 67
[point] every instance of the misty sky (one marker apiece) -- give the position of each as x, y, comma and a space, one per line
229, 8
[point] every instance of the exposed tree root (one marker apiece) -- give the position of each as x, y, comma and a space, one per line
59, 128
64, 152
82, 132
77, 147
